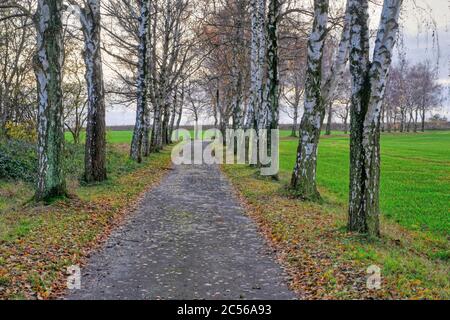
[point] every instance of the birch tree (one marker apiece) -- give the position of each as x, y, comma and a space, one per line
304, 176
272, 90
95, 147
48, 61
318, 95
169, 54
411, 91
261, 106
173, 63
138, 133
329, 119
255, 113
237, 71
196, 101
368, 86
173, 112
179, 109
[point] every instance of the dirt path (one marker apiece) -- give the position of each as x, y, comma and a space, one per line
189, 239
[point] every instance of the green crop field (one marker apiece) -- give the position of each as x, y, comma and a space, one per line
125, 136
415, 176
111, 136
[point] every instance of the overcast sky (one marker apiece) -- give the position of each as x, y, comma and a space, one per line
419, 41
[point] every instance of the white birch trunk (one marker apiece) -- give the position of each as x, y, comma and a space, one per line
257, 53
48, 63
146, 143
359, 63
138, 133
173, 114
237, 74
253, 66
156, 137
340, 61
146, 130
304, 175
303, 180
95, 148
368, 86
157, 141
262, 108
272, 87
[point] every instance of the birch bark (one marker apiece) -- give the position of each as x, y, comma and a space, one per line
329, 119
340, 61
173, 114
303, 180
95, 147
272, 87
368, 87
262, 110
48, 61
237, 67
304, 176
139, 126
150, 69
294, 123
257, 55
157, 140
146, 130
180, 109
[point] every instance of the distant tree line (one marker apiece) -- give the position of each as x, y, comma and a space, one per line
412, 93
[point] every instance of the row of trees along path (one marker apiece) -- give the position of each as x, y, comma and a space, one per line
166, 61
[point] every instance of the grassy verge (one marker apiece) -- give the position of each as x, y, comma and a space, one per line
38, 243
327, 262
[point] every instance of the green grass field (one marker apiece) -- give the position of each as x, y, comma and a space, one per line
415, 177
125, 136
115, 137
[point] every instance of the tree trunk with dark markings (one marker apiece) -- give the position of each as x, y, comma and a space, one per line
303, 181
48, 62
368, 85
141, 108
95, 148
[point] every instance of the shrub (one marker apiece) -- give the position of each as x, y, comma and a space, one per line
18, 160
73, 160
25, 131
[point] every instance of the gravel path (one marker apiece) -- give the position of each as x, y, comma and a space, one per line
189, 239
